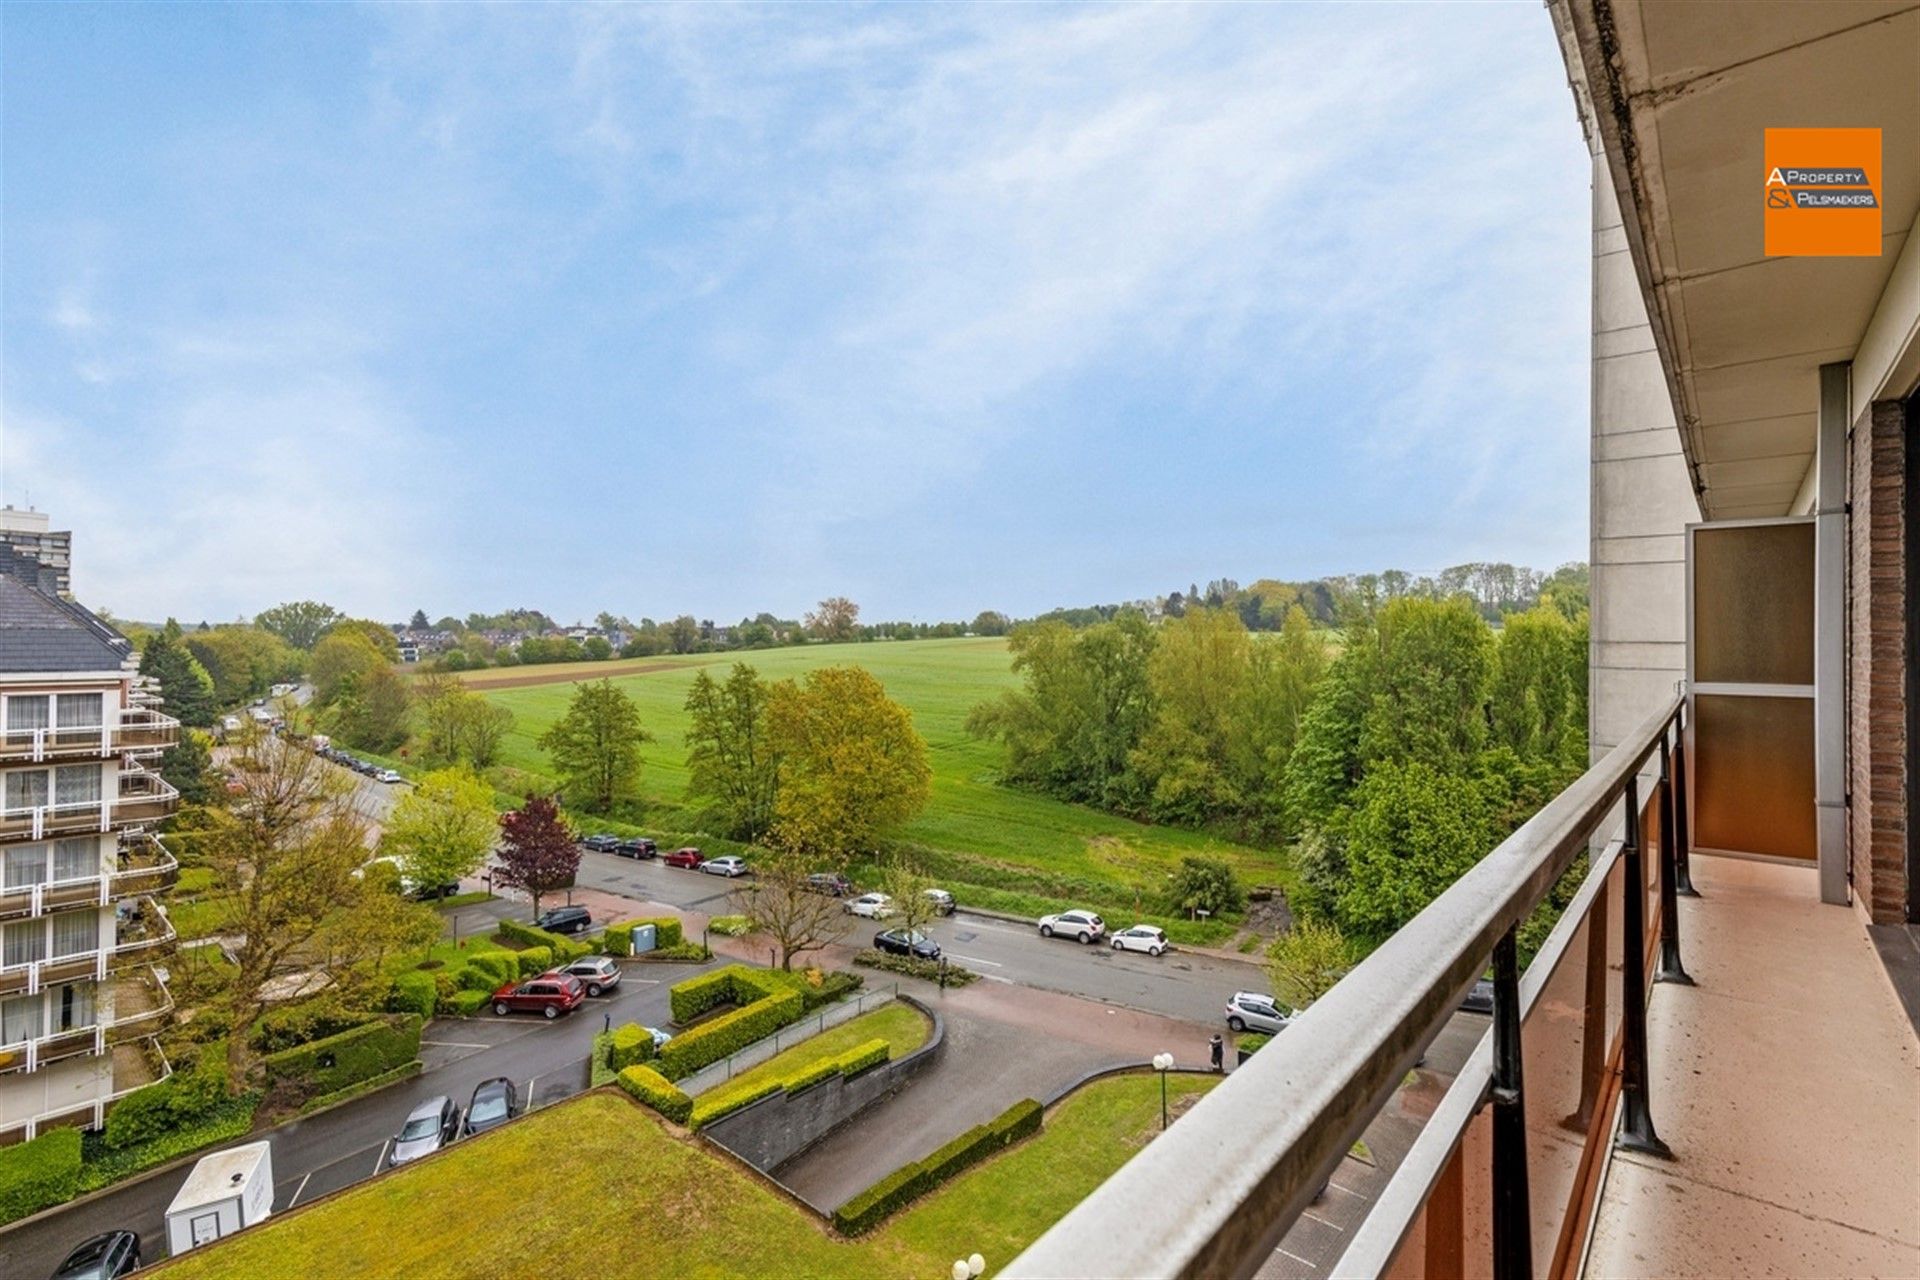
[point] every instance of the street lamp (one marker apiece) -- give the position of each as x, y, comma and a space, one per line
1163, 1063
969, 1268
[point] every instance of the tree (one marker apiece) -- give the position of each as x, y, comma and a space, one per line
370, 710
187, 767
186, 691
537, 850
907, 885
682, 634
851, 764
990, 623
482, 728
283, 853
1414, 831
342, 656
299, 623
419, 621
781, 904
244, 662
596, 648
731, 758
1205, 884
1532, 700
837, 618
442, 828
595, 746
1306, 961
378, 634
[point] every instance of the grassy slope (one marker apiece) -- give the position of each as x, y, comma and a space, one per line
1005, 848
668, 1205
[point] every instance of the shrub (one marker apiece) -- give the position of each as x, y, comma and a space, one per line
914, 967
1249, 1042
909, 1182
729, 1033
196, 1088
599, 1066
1205, 884
231, 1118
40, 1173
560, 948
329, 1065
657, 1092
731, 926
630, 1045
467, 1003
414, 992
535, 960
696, 995
680, 951
497, 967
298, 1024
829, 988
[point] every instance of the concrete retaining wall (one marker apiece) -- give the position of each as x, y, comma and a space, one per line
775, 1129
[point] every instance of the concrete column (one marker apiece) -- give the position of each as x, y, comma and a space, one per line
1830, 631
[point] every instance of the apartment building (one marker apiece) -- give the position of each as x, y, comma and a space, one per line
1712, 1065
81, 998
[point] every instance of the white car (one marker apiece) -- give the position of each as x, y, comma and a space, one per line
388, 775
874, 906
727, 866
1142, 937
1081, 926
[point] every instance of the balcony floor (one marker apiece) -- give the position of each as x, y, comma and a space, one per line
1788, 1085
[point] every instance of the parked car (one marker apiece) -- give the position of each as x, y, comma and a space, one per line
1142, 937
728, 866
686, 859
494, 1103
1479, 997
597, 974
388, 775
430, 1126
564, 920
102, 1257
601, 842
638, 848
1081, 926
831, 883
907, 942
874, 906
550, 995
1251, 1011
660, 1038
943, 904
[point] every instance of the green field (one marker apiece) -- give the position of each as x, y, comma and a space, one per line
603, 1184
994, 846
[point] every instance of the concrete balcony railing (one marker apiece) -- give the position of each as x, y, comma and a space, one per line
140, 729
144, 796
144, 866
138, 940
1501, 1179
141, 1006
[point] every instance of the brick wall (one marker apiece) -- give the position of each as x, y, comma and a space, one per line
1876, 656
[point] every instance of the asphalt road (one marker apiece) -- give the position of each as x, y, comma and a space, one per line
326, 1152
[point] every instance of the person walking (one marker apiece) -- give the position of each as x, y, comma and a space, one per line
1217, 1048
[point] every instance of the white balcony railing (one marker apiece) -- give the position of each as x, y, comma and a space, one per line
136, 729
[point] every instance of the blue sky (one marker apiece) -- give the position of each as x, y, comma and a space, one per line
715, 309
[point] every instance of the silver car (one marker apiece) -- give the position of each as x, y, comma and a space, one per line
598, 974
1251, 1011
430, 1126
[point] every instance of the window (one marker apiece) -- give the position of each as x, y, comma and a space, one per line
26, 712
76, 858
75, 933
76, 784
72, 1007
79, 711
22, 943
19, 1019
26, 789
26, 865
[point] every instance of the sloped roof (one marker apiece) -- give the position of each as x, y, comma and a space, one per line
41, 633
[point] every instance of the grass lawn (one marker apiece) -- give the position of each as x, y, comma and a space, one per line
662, 1204
903, 1027
993, 846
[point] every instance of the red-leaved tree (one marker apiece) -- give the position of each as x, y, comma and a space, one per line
537, 852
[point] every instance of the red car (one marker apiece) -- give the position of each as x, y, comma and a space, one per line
550, 994
685, 859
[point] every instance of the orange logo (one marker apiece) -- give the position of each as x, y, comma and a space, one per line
1823, 193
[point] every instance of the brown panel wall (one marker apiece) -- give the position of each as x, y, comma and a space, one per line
1876, 656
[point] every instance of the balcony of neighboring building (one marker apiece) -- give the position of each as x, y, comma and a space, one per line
131, 730
142, 865
139, 933
67, 1022
40, 801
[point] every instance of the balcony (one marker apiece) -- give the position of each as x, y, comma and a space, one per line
141, 730
144, 796
139, 938
1669, 1087
144, 866
141, 1006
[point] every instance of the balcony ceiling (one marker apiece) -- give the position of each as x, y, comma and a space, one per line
1742, 334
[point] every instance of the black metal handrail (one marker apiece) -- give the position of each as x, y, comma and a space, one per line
1214, 1195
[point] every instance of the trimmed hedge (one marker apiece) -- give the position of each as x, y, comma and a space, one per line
562, 949
233, 1118
35, 1175
371, 1083
832, 987
535, 961
332, 1064
679, 951
728, 1034
599, 1070
654, 1089
465, 1004
913, 967
728, 1099
693, 997
494, 969
630, 1045
414, 992
174, 1103
909, 1182
668, 935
